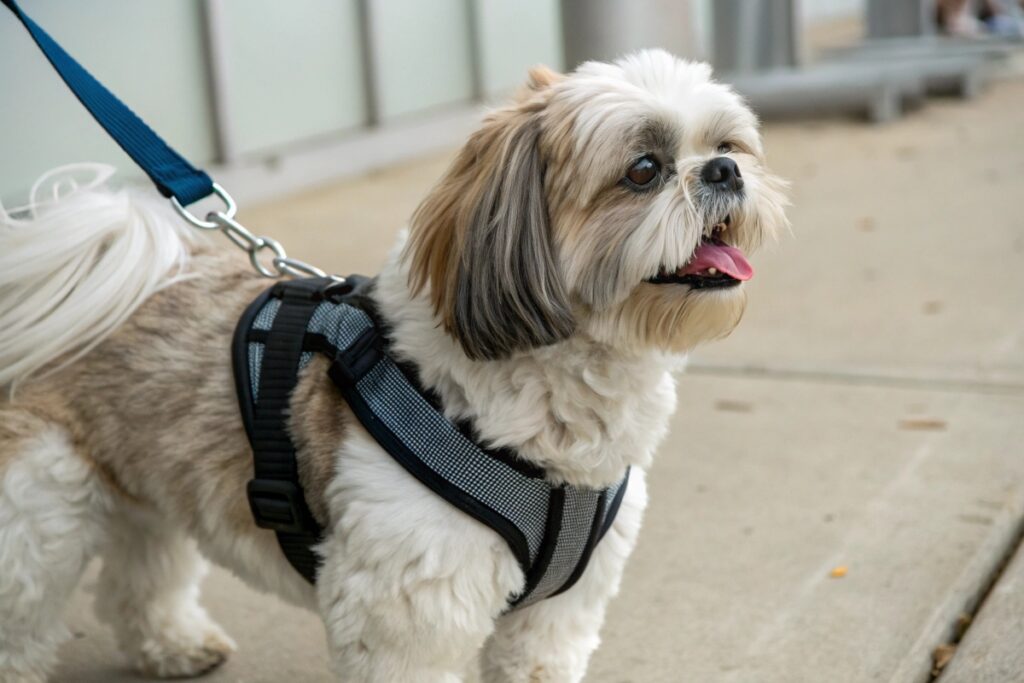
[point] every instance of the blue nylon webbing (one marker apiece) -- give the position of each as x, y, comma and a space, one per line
172, 174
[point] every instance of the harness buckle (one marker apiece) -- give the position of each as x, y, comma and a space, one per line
277, 505
351, 365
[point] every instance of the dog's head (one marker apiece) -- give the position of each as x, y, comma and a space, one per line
614, 202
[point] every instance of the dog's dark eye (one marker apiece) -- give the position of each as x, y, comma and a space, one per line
643, 172
724, 147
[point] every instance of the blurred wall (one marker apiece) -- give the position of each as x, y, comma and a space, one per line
290, 70
810, 12
606, 29
150, 53
822, 10
273, 87
239, 82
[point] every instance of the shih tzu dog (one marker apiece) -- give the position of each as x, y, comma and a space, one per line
587, 236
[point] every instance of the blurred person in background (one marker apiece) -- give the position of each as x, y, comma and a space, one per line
977, 18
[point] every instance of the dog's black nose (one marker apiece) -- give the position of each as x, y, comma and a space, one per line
722, 172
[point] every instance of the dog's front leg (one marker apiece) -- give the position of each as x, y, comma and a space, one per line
410, 587
552, 640
408, 619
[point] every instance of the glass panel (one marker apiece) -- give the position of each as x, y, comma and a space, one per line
514, 36
294, 70
422, 54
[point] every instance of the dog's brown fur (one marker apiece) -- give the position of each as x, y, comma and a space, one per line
319, 419
16, 427
154, 408
441, 222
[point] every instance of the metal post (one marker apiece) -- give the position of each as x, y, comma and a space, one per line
900, 18
216, 38
608, 29
755, 36
371, 94
476, 51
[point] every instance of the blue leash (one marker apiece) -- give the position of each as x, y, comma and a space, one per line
174, 176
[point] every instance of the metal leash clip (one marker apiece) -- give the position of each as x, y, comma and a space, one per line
281, 265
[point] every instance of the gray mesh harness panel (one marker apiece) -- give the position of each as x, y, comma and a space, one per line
446, 451
557, 541
264, 319
577, 524
341, 324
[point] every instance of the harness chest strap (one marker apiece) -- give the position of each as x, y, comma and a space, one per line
552, 530
274, 494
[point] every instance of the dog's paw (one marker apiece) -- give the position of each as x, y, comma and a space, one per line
183, 655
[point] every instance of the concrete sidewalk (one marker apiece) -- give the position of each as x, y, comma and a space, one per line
867, 414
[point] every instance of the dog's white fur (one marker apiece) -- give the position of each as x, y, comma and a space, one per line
75, 264
411, 590
51, 522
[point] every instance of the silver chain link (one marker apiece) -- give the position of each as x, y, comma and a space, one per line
280, 265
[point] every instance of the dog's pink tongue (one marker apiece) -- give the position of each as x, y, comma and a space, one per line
726, 259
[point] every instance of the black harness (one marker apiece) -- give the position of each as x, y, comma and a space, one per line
552, 530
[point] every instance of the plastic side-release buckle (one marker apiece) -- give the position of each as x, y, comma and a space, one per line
352, 364
277, 505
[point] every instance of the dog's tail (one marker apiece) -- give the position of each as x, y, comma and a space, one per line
77, 262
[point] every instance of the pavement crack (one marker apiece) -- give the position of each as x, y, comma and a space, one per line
856, 379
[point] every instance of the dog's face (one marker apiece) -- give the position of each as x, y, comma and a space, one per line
615, 202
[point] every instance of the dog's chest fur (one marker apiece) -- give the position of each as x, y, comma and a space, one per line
574, 408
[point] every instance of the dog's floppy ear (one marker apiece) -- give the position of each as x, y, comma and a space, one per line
482, 240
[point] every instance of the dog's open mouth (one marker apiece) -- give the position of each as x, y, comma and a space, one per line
714, 264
